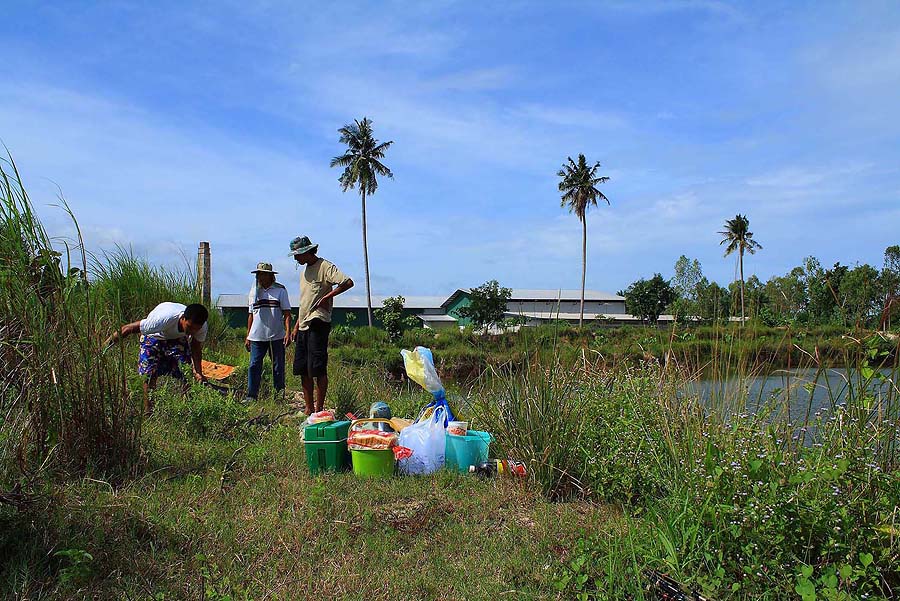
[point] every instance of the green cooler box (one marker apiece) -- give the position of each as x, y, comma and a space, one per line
326, 447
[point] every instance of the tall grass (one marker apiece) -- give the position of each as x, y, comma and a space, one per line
539, 415
730, 494
61, 402
129, 287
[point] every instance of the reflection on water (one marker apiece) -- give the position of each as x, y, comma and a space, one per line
793, 394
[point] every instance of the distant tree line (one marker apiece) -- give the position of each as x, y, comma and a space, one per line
809, 295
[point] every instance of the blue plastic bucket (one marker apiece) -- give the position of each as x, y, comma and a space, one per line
463, 451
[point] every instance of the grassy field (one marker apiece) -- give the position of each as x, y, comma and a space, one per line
625, 476
629, 470
237, 516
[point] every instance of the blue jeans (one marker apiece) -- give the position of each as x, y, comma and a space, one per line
258, 351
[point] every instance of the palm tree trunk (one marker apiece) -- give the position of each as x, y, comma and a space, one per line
741, 263
366, 257
583, 265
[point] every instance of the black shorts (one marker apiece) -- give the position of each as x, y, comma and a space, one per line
311, 354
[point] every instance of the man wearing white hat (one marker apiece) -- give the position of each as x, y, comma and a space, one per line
268, 329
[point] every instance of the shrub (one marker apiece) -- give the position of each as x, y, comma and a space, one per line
417, 337
391, 315
623, 436
341, 334
369, 336
384, 358
460, 363
731, 502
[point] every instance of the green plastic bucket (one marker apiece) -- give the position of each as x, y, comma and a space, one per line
463, 451
377, 463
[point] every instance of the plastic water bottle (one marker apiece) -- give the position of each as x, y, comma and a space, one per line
502, 467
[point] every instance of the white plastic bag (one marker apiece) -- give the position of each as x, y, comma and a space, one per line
426, 439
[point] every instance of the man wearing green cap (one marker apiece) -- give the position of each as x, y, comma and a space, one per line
320, 282
268, 329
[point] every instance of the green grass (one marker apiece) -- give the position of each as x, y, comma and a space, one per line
628, 470
62, 403
463, 355
625, 476
270, 530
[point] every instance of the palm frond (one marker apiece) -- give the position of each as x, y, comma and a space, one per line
378, 151
342, 161
380, 168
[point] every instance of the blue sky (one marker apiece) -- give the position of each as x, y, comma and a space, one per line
168, 124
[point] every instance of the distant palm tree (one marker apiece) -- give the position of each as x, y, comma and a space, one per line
362, 163
579, 188
739, 238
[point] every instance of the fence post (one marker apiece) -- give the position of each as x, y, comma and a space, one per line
204, 275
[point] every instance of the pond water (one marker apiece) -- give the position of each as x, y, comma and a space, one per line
794, 394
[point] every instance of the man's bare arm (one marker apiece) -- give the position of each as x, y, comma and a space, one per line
197, 360
126, 330
287, 326
334, 292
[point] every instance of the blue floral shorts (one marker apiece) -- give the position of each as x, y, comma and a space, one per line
162, 357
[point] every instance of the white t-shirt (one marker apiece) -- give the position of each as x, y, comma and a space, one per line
268, 306
162, 323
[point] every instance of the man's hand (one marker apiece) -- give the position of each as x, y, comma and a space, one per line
247, 344
109, 342
287, 339
199, 377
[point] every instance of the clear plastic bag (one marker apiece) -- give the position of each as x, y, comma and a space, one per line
426, 440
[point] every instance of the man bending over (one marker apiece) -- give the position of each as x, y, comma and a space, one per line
170, 335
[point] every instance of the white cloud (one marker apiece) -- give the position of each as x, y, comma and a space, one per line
478, 140
472, 80
789, 177
570, 117
133, 180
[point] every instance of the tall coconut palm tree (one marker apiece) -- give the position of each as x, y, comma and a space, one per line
362, 164
738, 237
579, 187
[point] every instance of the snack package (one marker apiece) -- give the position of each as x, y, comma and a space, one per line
371, 439
371, 434
320, 417
402, 452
